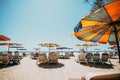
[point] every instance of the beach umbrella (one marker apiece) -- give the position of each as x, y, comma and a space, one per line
102, 25
63, 48
11, 45
4, 38
21, 49
49, 45
37, 49
86, 45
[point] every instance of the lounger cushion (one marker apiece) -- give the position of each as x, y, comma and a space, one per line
107, 75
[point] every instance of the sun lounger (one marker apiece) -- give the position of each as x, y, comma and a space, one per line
111, 55
96, 58
66, 55
53, 58
34, 55
82, 58
5, 59
16, 58
105, 58
72, 54
42, 59
58, 55
89, 57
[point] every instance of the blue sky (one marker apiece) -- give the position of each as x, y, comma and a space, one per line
31, 22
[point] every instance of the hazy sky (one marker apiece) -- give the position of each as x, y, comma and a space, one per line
31, 22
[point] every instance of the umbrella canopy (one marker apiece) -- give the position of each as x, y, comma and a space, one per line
102, 25
11, 45
87, 45
61, 48
49, 45
21, 49
4, 38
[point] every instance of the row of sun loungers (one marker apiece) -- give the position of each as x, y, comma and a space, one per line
65, 55
43, 59
9, 58
83, 57
94, 58
52, 57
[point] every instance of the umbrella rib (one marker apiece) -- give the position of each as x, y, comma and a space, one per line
105, 38
96, 38
85, 31
92, 33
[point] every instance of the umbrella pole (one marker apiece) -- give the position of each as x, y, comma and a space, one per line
116, 36
8, 47
49, 49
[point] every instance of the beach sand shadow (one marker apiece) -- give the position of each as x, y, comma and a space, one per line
6, 66
50, 66
99, 65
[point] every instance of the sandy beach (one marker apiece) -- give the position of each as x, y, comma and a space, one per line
66, 69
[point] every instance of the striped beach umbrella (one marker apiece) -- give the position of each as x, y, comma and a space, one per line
102, 25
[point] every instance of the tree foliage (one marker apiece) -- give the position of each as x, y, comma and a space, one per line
97, 3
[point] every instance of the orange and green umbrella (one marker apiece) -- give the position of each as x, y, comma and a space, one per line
102, 25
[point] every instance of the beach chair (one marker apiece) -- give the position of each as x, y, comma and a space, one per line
96, 58
89, 57
24, 54
105, 58
5, 59
10, 54
53, 58
31, 55
116, 55
58, 55
41, 59
72, 54
66, 56
111, 55
82, 58
16, 58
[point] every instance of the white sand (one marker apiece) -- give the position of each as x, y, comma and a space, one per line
65, 70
